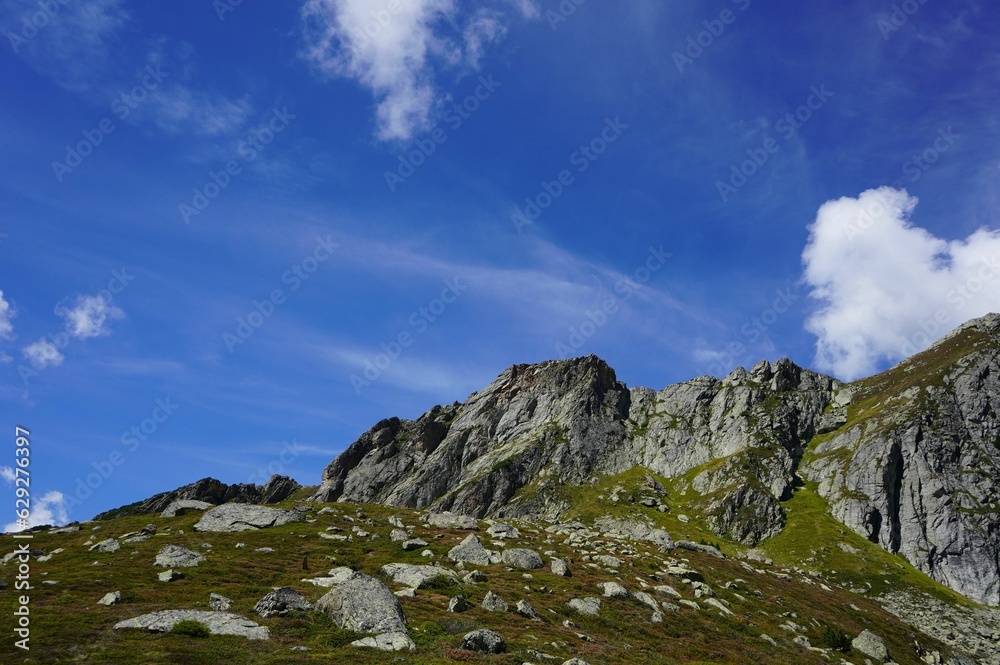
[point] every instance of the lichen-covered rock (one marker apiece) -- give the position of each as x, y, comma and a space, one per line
522, 558
231, 517
483, 641
418, 577
871, 645
280, 602
471, 550
363, 604
218, 623
175, 556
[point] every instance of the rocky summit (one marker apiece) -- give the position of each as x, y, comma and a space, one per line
775, 515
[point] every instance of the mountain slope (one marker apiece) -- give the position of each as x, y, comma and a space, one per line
907, 459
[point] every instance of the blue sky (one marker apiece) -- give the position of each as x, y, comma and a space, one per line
236, 236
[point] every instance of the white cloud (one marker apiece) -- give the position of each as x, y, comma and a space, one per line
50, 508
90, 316
6, 314
394, 54
8, 474
888, 288
42, 354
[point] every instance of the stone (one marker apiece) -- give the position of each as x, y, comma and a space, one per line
522, 558
458, 604
232, 517
483, 641
475, 577
609, 561
418, 577
471, 550
107, 546
363, 604
111, 598
395, 641
182, 506
280, 602
175, 556
399, 536
414, 544
503, 531
585, 605
524, 609
871, 645
667, 590
219, 602
493, 603
559, 567
613, 590
218, 623
169, 575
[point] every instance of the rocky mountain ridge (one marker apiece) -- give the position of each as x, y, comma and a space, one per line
907, 459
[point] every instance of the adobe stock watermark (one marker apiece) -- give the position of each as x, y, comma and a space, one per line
562, 12
32, 23
740, 173
899, 16
121, 107
294, 277
118, 282
422, 148
130, 441
752, 331
595, 319
256, 142
419, 321
223, 7
277, 466
703, 40
582, 158
959, 297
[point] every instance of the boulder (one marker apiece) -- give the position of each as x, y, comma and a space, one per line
418, 577
107, 546
613, 590
526, 610
175, 556
414, 544
559, 567
169, 575
585, 605
483, 641
871, 645
111, 598
458, 604
218, 623
493, 603
280, 602
522, 558
363, 604
387, 642
230, 517
218, 602
181, 506
471, 550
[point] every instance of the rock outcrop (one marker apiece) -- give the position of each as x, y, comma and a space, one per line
907, 458
210, 491
230, 517
218, 623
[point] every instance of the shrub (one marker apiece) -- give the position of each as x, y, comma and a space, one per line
835, 638
191, 628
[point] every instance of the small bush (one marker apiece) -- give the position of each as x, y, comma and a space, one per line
835, 638
191, 628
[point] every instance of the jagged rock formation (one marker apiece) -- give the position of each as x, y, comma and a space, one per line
907, 458
916, 468
210, 490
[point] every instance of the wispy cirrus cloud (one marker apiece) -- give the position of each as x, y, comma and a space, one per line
7, 314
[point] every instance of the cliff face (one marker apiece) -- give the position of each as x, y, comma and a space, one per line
917, 467
907, 458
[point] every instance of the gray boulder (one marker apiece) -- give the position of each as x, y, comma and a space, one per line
181, 506
613, 590
871, 645
230, 517
522, 558
218, 602
414, 544
280, 602
526, 610
493, 603
483, 641
585, 605
418, 577
108, 546
363, 604
387, 642
458, 604
170, 575
559, 567
218, 623
175, 556
471, 550
111, 598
